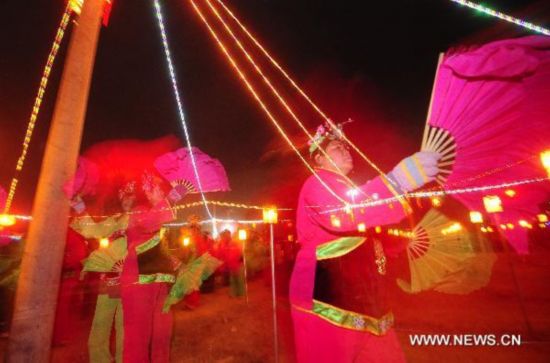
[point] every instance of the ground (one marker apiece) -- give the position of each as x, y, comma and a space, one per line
224, 329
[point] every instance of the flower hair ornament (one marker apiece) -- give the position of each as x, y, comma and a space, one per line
149, 182
327, 131
128, 189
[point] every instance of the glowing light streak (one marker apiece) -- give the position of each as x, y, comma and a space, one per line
437, 193
38, 102
172, 72
389, 182
502, 16
542, 218
251, 89
274, 91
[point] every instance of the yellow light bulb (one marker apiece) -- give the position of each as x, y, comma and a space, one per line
476, 217
270, 215
7, 220
492, 204
104, 243
242, 234
436, 202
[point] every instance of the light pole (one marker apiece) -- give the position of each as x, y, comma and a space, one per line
270, 217
243, 236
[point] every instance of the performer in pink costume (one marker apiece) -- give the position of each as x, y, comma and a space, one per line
147, 330
336, 290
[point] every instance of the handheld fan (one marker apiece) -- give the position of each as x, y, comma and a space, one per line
177, 168
446, 257
109, 259
190, 278
490, 120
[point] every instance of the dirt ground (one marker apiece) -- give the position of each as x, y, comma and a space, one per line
224, 329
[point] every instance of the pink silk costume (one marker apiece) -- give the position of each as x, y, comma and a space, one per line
325, 333
147, 330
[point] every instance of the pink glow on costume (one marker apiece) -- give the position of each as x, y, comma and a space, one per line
333, 343
494, 100
314, 227
147, 330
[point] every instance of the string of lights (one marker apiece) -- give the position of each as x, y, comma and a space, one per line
505, 17
274, 91
263, 106
179, 104
38, 102
460, 182
431, 194
217, 220
388, 181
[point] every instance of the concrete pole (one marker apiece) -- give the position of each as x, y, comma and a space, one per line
36, 298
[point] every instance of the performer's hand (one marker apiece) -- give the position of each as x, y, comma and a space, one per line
416, 170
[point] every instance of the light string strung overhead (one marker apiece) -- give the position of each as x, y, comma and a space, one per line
430, 194
172, 73
38, 102
274, 91
263, 106
505, 17
387, 181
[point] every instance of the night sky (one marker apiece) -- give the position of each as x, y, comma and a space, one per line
372, 63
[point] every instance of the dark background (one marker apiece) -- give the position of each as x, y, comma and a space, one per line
371, 61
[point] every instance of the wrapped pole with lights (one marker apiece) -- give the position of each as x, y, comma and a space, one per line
270, 217
36, 297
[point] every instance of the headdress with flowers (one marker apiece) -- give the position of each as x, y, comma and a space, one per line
326, 131
127, 190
